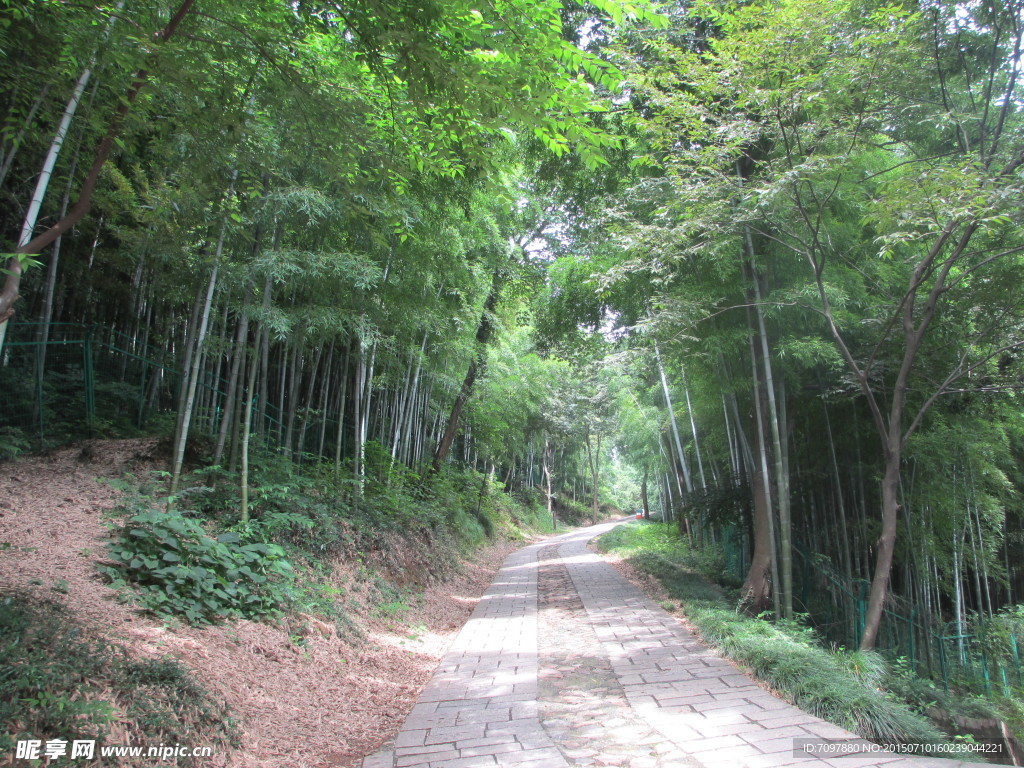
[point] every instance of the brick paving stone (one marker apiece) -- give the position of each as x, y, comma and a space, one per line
445, 754
565, 663
424, 749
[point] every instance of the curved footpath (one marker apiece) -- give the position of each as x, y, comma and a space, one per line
565, 663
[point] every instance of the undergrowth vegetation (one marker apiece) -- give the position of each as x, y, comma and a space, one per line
855, 690
179, 569
59, 681
314, 542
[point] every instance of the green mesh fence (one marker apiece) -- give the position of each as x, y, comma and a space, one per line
66, 381
981, 655
734, 548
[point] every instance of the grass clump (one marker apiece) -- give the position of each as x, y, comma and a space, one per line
59, 681
659, 551
835, 685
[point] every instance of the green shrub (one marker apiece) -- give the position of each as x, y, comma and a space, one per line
410, 530
58, 681
571, 512
12, 443
180, 570
837, 686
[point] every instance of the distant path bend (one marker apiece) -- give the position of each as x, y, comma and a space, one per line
565, 663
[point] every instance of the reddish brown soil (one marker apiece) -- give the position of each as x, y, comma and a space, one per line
322, 702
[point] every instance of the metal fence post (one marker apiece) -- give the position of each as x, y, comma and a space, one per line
942, 662
89, 374
39, 393
860, 607
912, 646
142, 393
1016, 656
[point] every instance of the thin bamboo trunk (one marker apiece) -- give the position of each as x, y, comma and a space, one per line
693, 430
293, 395
644, 503
15, 265
241, 334
8, 156
778, 449
324, 396
227, 410
49, 163
672, 418
769, 518
49, 291
193, 381
254, 367
547, 482
341, 414
308, 402
844, 550
357, 412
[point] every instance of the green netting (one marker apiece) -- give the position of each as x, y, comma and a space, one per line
981, 655
985, 659
65, 382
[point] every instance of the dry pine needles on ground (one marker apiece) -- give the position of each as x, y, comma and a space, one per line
324, 702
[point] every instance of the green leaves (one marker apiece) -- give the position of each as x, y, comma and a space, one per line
178, 569
25, 261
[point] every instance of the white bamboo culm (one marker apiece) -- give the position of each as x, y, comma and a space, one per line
43, 182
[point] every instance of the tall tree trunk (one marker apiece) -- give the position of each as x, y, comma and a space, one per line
594, 459
324, 397
255, 366
49, 291
768, 519
884, 547
693, 430
358, 455
250, 393
757, 593
43, 182
547, 482
307, 410
15, 265
644, 505
407, 414
342, 395
367, 393
476, 367
778, 450
840, 504
672, 418
293, 382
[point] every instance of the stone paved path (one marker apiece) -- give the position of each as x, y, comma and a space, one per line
565, 663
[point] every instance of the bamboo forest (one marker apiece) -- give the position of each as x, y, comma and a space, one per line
372, 284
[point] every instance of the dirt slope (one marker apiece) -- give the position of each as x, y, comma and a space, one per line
325, 703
